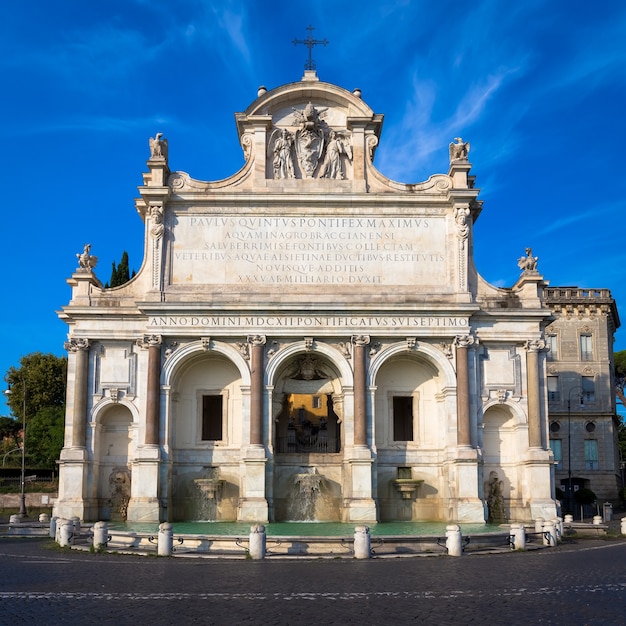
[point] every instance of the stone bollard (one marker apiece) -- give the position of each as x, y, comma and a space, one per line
44, 518
362, 542
100, 535
539, 524
623, 526
597, 520
165, 541
53, 527
256, 548
76, 523
453, 540
57, 529
549, 534
558, 524
66, 533
569, 518
14, 519
519, 536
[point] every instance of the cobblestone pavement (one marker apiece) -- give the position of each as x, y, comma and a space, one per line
580, 583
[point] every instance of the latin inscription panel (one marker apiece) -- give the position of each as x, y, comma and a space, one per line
291, 251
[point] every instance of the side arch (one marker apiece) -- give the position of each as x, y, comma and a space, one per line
425, 350
299, 347
196, 349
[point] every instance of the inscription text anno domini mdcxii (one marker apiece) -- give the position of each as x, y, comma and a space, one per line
298, 322
229, 249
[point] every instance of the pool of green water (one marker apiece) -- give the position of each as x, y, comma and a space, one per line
308, 529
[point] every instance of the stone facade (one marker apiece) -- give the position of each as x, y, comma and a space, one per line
307, 339
583, 434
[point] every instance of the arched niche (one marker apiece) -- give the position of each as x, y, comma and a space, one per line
307, 404
113, 450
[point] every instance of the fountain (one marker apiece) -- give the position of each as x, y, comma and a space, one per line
307, 489
405, 484
209, 488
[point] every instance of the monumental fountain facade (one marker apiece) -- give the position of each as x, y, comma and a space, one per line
306, 339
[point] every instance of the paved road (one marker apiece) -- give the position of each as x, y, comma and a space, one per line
582, 583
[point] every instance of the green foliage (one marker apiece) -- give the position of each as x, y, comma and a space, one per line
9, 431
620, 363
38, 386
584, 496
43, 378
120, 274
44, 436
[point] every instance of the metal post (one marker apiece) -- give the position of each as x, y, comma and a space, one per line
22, 512
570, 493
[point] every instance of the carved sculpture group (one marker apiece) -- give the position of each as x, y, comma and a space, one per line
318, 150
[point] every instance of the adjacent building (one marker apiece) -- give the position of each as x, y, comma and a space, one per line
581, 392
309, 339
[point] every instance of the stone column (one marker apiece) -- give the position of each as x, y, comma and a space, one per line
534, 402
462, 343
153, 389
80, 347
257, 343
360, 390
144, 504
253, 506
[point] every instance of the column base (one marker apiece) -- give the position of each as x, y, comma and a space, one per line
144, 510
253, 510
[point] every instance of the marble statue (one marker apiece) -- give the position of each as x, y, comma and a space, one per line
460, 150
528, 263
332, 167
283, 154
158, 147
309, 137
86, 261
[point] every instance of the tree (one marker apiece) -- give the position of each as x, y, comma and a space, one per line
619, 359
45, 434
43, 376
120, 274
38, 385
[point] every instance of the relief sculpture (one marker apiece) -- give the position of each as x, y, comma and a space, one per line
314, 150
309, 138
282, 163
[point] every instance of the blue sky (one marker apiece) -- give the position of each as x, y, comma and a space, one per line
538, 88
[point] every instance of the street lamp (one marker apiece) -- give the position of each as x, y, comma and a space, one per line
570, 494
22, 514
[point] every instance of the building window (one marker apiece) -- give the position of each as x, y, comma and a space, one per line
590, 427
591, 454
553, 352
317, 402
586, 351
588, 388
557, 450
555, 427
553, 389
212, 418
402, 418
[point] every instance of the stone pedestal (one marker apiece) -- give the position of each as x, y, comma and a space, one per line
144, 505
466, 507
253, 505
72, 480
360, 506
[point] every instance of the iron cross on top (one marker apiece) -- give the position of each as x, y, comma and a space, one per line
310, 42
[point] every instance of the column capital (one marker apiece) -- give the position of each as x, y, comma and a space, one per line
256, 340
464, 341
76, 344
148, 341
536, 345
360, 340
